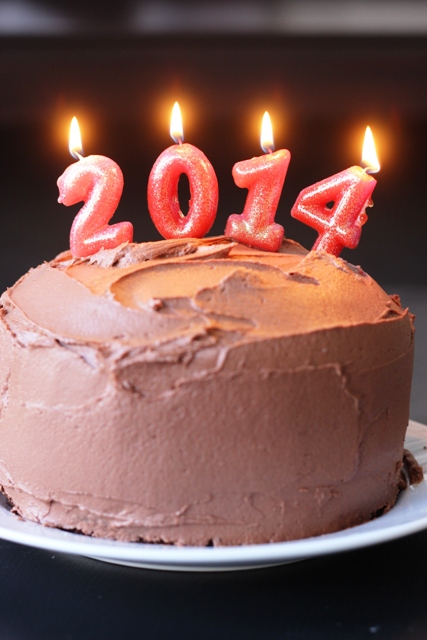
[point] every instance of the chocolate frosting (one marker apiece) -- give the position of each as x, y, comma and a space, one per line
197, 391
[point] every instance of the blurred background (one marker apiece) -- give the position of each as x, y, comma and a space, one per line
324, 70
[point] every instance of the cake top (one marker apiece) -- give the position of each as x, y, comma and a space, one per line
194, 290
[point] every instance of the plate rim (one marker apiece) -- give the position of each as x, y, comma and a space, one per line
16, 529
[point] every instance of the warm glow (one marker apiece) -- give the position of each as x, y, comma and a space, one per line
369, 155
75, 141
176, 131
267, 141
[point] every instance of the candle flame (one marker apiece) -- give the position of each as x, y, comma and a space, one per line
369, 154
176, 130
75, 140
267, 140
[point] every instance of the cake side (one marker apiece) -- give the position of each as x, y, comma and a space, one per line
198, 391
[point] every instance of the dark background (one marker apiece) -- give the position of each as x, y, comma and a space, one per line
321, 91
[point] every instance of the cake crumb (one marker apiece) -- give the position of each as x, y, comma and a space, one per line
411, 472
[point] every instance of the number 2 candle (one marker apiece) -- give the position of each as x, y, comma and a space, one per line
263, 177
98, 181
349, 193
162, 192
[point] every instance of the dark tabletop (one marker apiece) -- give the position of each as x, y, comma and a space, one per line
375, 592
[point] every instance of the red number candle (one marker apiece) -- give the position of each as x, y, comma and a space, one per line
163, 202
348, 193
98, 181
263, 177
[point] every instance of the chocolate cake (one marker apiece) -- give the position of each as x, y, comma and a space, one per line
201, 392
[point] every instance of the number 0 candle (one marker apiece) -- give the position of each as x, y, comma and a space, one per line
163, 202
335, 207
98, 181
263, 177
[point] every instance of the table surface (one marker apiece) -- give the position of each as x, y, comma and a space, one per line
379, 591
375, 592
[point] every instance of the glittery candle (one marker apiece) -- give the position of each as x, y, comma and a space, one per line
335, 207
263, 176
98, 182
163, 202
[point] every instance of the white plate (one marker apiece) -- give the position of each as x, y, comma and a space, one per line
407, 516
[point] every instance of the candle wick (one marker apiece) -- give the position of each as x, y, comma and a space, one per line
369, 170
267, 148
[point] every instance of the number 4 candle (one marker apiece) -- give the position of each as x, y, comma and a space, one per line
263, 177
98, 181
350, 191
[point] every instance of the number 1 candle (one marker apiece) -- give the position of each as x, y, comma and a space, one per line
162, 192
263, 177
98, 181
349, 193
